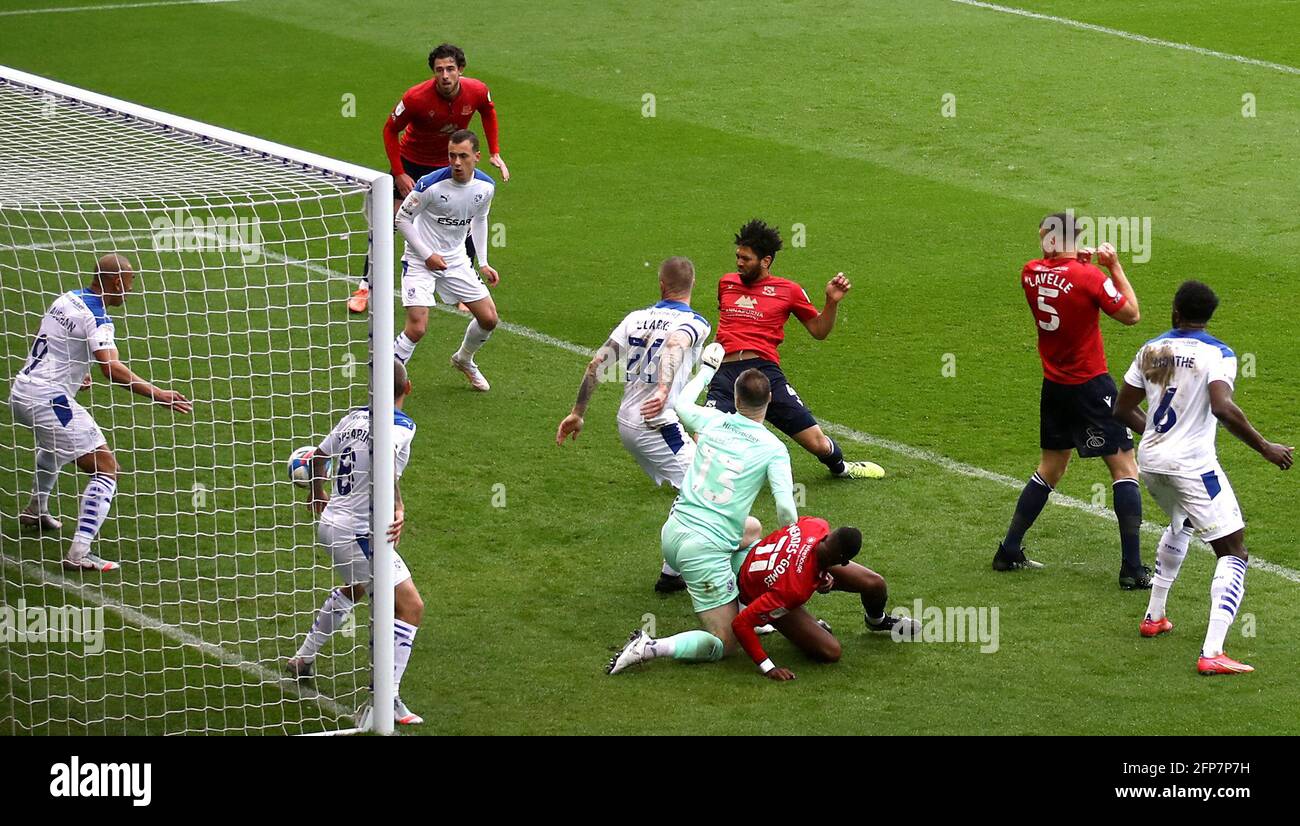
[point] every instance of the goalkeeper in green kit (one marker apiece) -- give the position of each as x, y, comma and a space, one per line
710, 522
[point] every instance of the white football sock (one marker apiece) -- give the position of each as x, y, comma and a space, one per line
403, 348
665, 647
1169, 559
403, 639
669, 571
475, 337
1226, 592
96, 501
47, 473
331, 615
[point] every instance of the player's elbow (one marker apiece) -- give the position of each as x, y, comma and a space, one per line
1129, 316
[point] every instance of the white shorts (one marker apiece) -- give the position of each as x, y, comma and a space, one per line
351, 555
1207, 501
62, 426
456, 284
664, 454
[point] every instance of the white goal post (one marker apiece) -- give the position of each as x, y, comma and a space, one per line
243, 250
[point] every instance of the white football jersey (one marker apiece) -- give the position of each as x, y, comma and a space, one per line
75, 326
439, 212
1175, 370
640, 338
349, 444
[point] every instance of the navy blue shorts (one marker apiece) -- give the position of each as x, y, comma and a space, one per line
1079, 416
787, 412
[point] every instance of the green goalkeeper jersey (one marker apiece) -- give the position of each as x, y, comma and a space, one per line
734, 456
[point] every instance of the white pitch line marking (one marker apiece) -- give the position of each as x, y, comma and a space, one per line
1136, 38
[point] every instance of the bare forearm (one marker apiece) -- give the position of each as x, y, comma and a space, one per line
586, 390
1134, 418
1122, 283
119, 373
1234, 419
825, 322
670, 361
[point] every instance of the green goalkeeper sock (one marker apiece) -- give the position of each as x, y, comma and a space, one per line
692, 646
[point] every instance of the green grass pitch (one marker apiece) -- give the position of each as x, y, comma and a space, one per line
535, 560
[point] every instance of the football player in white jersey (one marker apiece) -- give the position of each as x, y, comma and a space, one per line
1186, 377
657, 347
344, 531
75, 331
435, 264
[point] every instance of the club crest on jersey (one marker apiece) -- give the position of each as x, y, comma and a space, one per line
746, 302
467, 110
769, 290
478, 199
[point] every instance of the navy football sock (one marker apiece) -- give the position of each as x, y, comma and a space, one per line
1128, 508
1032, 500
835, 459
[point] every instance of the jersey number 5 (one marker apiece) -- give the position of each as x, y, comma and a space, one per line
1045, 293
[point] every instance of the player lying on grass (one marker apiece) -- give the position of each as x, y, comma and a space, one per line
416, 134
659, 346
432, 219
344, 531
735, 456
785, 569
75, 330
1066, 295
1186, 376
753, 307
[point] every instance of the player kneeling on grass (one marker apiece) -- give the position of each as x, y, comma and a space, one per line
435, 263
734, 456
43, 397
1187, 377
344, 531
785, 569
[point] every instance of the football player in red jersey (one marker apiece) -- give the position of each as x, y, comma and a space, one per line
784, 570
417, 131
1066, 295
753, 307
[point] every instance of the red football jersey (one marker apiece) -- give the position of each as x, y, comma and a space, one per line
424, 120
753, 316
1066, 296
779, 575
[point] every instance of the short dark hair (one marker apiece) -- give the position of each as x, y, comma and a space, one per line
399, 379
752, 389
444, 50
462, 135
1195, 302
846, 541
762, 239
1064, 226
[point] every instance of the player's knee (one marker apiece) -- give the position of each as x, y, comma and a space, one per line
489, 320
408, 606
828, 650
874, 583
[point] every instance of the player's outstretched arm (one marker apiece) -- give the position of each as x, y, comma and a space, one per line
820, 325
670, 361
1234, 418
743, 627
1127, 409
118, 373
1129, 313
781, 481
571, 425
694, 416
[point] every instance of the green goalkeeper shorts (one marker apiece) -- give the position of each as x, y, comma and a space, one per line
706, 568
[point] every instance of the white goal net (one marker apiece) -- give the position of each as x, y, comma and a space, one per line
242, 252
